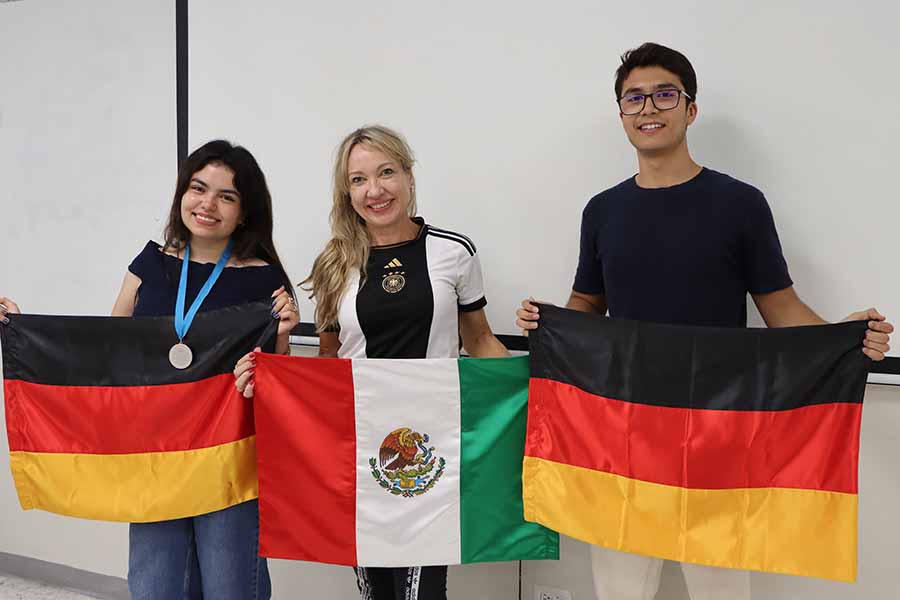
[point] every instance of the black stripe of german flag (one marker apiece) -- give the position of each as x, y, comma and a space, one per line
112, 351
701, 367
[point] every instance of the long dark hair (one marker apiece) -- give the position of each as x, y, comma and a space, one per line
252, 239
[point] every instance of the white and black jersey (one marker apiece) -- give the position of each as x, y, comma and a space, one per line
409, 304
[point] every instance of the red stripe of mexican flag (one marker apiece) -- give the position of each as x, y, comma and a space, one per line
394, 462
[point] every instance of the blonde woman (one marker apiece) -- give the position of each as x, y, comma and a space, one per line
389, 285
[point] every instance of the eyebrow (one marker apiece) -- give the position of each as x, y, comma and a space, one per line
656, 88
222, 191
389, 163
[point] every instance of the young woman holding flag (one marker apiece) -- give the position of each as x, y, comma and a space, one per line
389, 285
218, 252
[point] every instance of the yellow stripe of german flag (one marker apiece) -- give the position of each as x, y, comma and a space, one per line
142, 487
779, 529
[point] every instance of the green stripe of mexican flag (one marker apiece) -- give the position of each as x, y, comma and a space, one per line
394, 462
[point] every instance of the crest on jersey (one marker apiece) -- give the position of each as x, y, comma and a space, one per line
406, 466
393, 282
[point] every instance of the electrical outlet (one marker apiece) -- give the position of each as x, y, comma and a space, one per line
542, 592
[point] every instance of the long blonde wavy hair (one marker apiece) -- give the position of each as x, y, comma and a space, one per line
348, 249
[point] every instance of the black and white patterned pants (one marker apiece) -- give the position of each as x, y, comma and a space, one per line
402, 583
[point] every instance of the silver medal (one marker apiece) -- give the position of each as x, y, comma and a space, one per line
180, 356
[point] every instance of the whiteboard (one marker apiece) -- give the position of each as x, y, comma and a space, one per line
87, 147
510, 110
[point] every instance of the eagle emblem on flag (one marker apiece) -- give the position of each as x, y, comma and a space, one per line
408, 467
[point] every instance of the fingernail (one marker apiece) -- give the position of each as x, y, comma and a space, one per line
274, 315
4, 320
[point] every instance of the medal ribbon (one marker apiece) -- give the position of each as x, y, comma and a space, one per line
183, 321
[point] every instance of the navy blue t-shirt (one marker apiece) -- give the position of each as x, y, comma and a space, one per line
686, 254
159, 274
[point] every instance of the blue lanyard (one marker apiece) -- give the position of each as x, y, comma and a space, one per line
183, 321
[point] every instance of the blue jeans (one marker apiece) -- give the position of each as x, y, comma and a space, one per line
212, 557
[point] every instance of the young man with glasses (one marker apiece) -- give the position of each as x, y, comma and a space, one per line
683, 244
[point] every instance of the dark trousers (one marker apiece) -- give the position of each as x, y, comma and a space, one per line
402, 583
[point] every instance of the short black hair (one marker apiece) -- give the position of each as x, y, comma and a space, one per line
650, 54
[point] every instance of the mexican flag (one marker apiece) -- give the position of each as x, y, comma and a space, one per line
380, 462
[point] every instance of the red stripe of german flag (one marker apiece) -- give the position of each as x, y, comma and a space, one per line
160, 418
726, 449
733, 448
101, 426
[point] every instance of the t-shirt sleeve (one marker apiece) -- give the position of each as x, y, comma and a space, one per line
763, 260
470, 284
147, 262
589, 275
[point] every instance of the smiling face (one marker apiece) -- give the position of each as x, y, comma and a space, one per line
654, 131
380, 188
211, 205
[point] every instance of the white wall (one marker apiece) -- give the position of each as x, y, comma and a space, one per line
87, 146
87, 165
509, 107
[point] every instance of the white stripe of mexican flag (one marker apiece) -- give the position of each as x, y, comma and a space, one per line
423, 396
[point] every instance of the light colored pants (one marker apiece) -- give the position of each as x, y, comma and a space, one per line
625, 576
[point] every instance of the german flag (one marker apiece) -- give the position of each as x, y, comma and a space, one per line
726, 447
101, 426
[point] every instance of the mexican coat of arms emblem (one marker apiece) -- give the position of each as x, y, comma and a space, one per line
406, 466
